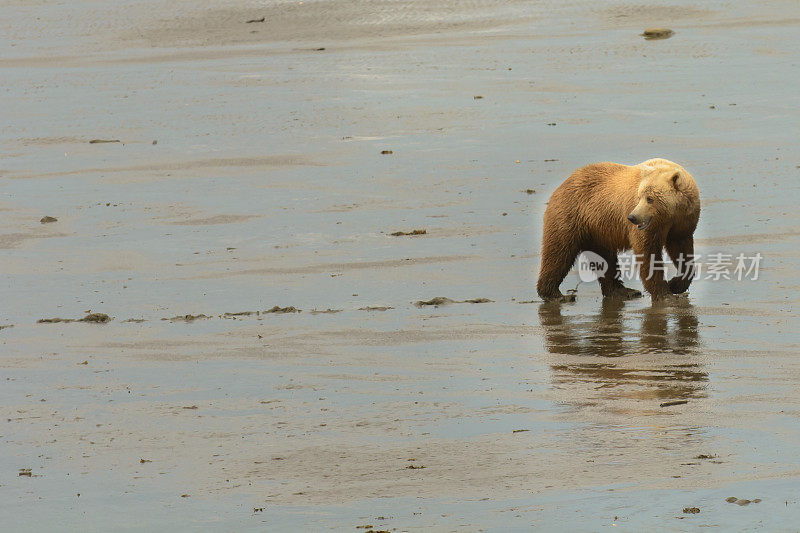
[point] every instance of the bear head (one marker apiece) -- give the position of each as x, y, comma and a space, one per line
665, 192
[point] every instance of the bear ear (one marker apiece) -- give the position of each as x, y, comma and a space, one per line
675, 178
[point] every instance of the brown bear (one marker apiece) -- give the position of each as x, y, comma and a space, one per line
606, 208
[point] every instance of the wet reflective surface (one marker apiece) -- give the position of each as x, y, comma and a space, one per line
196, 408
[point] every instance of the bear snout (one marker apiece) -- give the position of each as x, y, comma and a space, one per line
633, 219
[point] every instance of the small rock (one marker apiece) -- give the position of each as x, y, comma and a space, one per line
48, 219
691, 510
386, 152
652, 34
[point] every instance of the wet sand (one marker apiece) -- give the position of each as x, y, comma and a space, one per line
208, 403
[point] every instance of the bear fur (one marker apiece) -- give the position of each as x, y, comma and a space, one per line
607, 208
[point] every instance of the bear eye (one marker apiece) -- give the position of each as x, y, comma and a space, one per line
649, 199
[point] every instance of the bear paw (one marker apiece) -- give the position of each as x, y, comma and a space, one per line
560, 299
678, 285
621, 292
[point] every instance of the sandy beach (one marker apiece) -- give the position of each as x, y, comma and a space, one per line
267, 363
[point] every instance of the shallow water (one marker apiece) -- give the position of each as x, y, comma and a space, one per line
267, 187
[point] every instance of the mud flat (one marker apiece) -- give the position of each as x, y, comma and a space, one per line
264, 365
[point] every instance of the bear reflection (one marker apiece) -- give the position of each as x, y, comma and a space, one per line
645, 354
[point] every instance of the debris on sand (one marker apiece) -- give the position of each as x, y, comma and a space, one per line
520, 430
436, 302
290, 309
186, 318
102, 141
691, 510
477, 97
262, 19
6, 326
652, 34
386, 152
414, 232
25, 472
675, 402
240, 313
48, 220
530, 191
134, 321
97, 318
741, 501
441, 300
705, 456
375, 308
413, 467
327, 311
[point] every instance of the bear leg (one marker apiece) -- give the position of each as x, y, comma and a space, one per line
651, 271
681, 251
611, 282
557, 260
